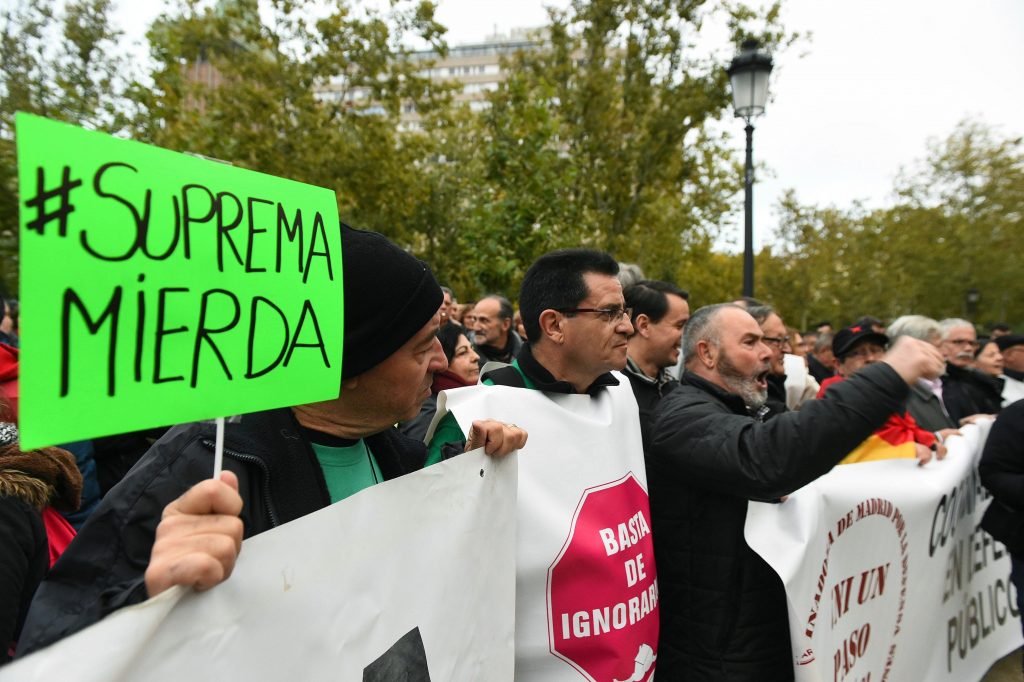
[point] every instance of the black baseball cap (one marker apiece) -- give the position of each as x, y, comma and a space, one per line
848, 337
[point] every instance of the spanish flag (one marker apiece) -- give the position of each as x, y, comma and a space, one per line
895, 440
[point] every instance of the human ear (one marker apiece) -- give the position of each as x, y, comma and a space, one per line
707, 353
642, 323
551, 323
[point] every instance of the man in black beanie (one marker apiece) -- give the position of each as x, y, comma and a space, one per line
167, 523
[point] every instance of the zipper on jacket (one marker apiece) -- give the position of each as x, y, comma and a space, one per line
251, 459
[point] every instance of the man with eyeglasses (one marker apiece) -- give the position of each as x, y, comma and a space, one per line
966, 393
723, 609
577, 328
777, 340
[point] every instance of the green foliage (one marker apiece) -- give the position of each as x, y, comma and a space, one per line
957, 224
59, 64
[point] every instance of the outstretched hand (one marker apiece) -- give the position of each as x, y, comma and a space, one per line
497, 438
199, 537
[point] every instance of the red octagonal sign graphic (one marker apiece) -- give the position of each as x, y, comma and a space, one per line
602, 588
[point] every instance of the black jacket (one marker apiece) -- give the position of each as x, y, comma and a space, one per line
648, 393
1002, 472
967, 391
279, 480
723, 609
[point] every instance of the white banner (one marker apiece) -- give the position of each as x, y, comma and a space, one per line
412, 579
586, 589
888, 576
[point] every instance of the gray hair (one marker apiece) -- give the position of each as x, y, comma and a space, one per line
702, 327
915, 326
630, 274
823, 343
760, 313
951, 323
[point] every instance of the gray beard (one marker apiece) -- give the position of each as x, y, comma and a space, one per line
742, 385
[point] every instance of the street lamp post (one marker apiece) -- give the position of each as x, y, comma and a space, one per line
748, 73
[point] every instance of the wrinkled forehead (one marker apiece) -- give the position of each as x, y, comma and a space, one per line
960, 333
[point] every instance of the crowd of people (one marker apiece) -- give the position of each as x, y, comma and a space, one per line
732, 405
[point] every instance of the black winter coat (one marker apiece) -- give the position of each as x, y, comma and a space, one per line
279, 480
1002, 472
723, 609
967, 391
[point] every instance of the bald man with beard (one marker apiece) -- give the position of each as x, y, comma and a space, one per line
723, 609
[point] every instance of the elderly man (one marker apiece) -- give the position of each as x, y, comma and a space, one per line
165, 525
724, 614
925, 402
495, 338
1012, 348
775, 337
660, 311
966, 392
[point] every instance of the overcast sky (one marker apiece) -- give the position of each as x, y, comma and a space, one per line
852, 105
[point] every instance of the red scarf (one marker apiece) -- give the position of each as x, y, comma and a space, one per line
446, 380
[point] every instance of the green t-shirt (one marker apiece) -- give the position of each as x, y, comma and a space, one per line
347, 470
448, 429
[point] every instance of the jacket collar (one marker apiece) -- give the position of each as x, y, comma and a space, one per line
1013, 374
545, 381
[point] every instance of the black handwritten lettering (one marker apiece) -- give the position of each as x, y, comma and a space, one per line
112, 311
161, 311
203, 332
250, 374
253, 232
307, 307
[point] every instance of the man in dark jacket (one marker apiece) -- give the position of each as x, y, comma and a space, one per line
1002, 472
966, 392
660, 311
724, 614
164, 525
495, 338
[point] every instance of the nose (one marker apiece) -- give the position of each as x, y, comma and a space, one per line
438, 362
625, 326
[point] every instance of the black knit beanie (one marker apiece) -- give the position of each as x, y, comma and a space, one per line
389, 296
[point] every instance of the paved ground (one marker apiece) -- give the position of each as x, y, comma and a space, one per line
1006, 670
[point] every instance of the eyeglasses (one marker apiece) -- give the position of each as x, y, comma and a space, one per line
609, 315
775, 341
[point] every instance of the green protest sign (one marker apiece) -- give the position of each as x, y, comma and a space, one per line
159, 288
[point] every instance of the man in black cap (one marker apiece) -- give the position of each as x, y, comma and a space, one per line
168, 523
854, 347
1012, 348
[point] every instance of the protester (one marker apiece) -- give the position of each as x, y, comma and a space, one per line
855, 348
577, 327
447, 303
1012, 348
8, 324
463, 370
279, 464
1000, 329
659, 314
34, 487
967, 393
987, 358
724, 612
925, 401
774, 330
1002, 472
495, 339
821, 363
